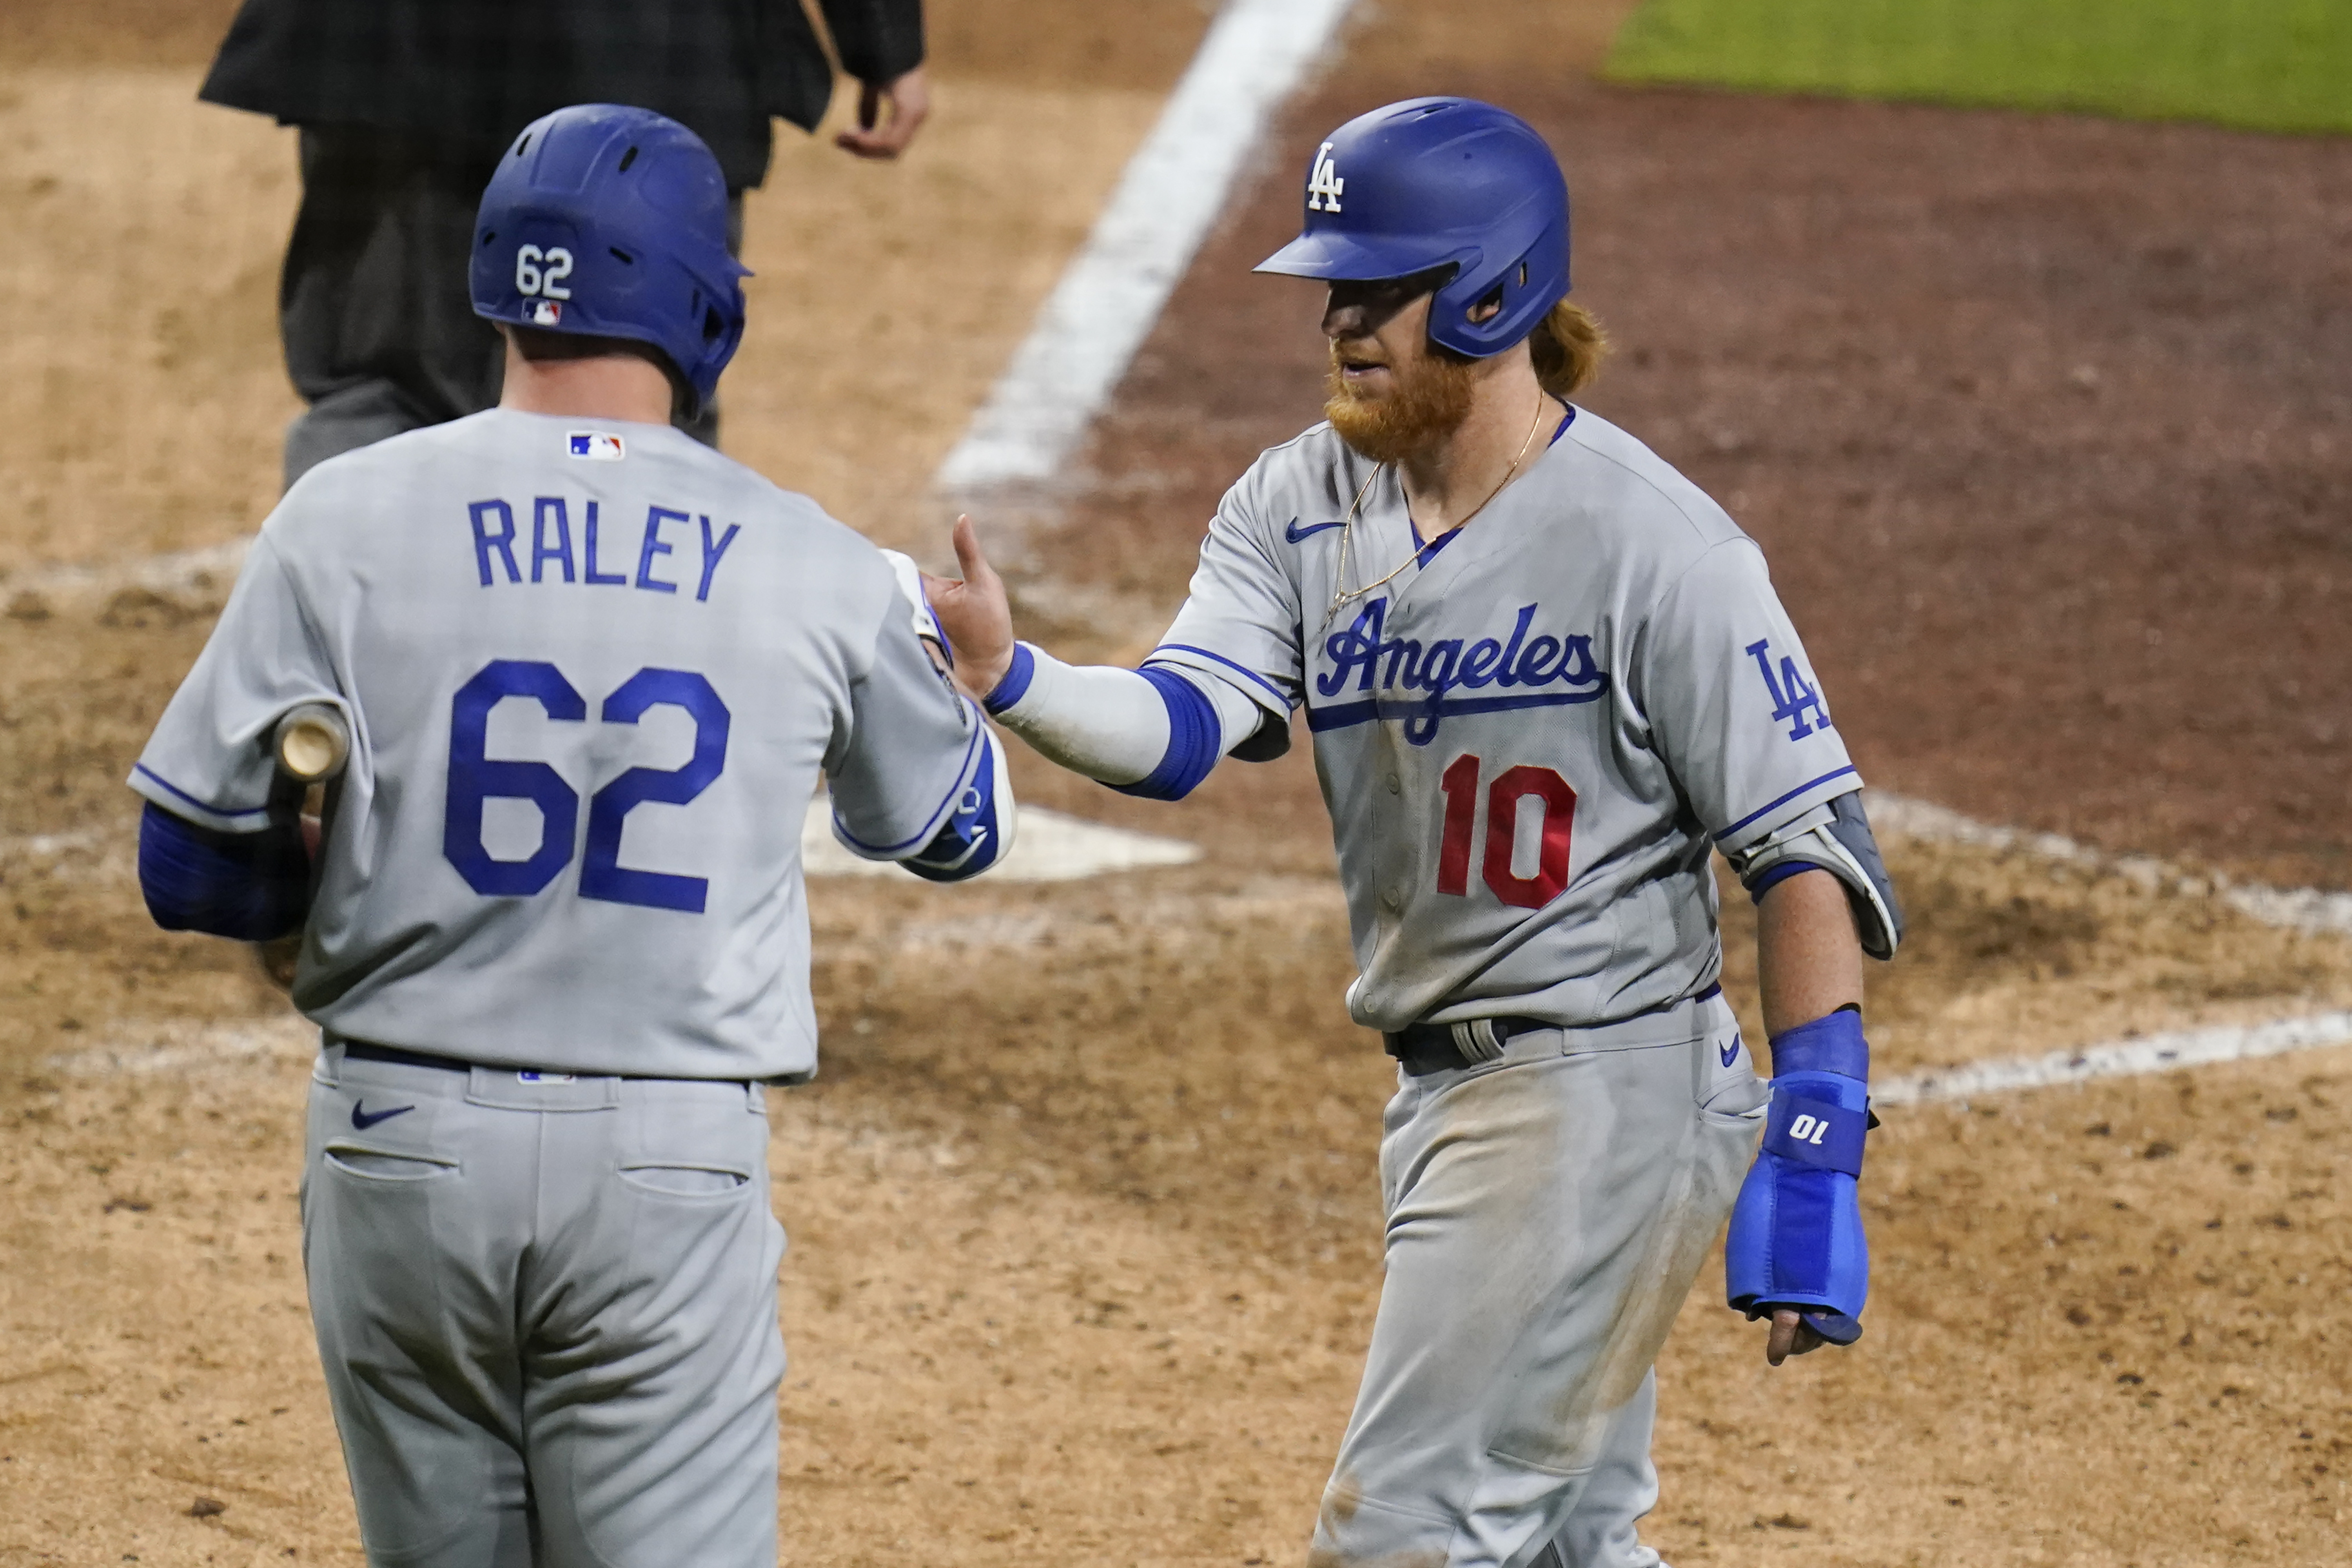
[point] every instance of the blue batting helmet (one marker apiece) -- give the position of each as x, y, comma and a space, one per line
612, 222
1433, 182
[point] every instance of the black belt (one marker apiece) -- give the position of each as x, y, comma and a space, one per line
354, 1050
1422, 1048
361, 1051
1434, 1048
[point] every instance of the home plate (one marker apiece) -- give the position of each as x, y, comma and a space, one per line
1048, 847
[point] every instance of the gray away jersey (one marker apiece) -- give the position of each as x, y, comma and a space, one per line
1529, 743
591, 672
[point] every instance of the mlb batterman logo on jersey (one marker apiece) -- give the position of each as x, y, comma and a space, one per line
597, 445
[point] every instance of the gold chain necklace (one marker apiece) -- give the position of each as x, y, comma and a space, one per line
1339, 597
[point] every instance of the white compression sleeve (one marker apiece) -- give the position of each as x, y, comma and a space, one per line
1111, 724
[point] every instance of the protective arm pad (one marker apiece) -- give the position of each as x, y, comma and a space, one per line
1155, 731
1796, 1237
979, 830
252, 886
1836, 838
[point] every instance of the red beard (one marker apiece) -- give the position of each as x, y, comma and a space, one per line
1428, 402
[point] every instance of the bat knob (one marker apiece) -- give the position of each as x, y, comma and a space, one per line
312, 744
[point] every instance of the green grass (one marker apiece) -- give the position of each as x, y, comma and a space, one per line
2264, 65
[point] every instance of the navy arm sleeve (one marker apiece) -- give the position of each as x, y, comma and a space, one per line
254, 886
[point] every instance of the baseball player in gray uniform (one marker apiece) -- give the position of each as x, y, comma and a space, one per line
1545, 677
555, 937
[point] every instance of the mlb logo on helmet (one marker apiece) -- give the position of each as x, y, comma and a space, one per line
596, 446
545, 312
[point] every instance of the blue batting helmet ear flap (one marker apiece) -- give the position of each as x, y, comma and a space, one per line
1433, 182
612, 222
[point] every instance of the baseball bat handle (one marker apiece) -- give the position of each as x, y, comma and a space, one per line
312, 744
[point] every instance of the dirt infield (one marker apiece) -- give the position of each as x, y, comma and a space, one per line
1084, 1219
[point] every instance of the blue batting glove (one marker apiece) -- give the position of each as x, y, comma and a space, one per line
1796, 1237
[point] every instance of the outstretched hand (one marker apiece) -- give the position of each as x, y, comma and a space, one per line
975, 614
1791, 1335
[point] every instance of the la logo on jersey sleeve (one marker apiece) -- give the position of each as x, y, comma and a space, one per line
1792, 697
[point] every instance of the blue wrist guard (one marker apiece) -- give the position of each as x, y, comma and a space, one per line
1796, 1237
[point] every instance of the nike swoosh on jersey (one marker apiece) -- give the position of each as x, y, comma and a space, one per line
1729, 1053
1294, 533
362, 1119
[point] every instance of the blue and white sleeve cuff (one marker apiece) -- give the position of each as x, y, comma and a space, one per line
1016, 684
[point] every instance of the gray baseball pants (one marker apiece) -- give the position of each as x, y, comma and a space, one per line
547, 1312
1547, 1213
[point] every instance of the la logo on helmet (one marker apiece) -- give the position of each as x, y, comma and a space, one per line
1323, 182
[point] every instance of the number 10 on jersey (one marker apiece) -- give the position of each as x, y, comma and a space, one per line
1515, 791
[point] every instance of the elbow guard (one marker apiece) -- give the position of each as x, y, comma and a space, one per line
1269, 741
979, 830
1835, 838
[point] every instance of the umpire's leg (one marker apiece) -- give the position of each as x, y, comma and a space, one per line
374, 306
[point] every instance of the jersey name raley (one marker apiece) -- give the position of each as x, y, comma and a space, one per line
1373, 662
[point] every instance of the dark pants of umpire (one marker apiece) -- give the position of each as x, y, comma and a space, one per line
374, 307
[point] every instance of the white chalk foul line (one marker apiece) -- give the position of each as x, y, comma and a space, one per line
52, 846
179, 571
2290, 908
172, 1046
2125, 1058
1110, 296
2297, 909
